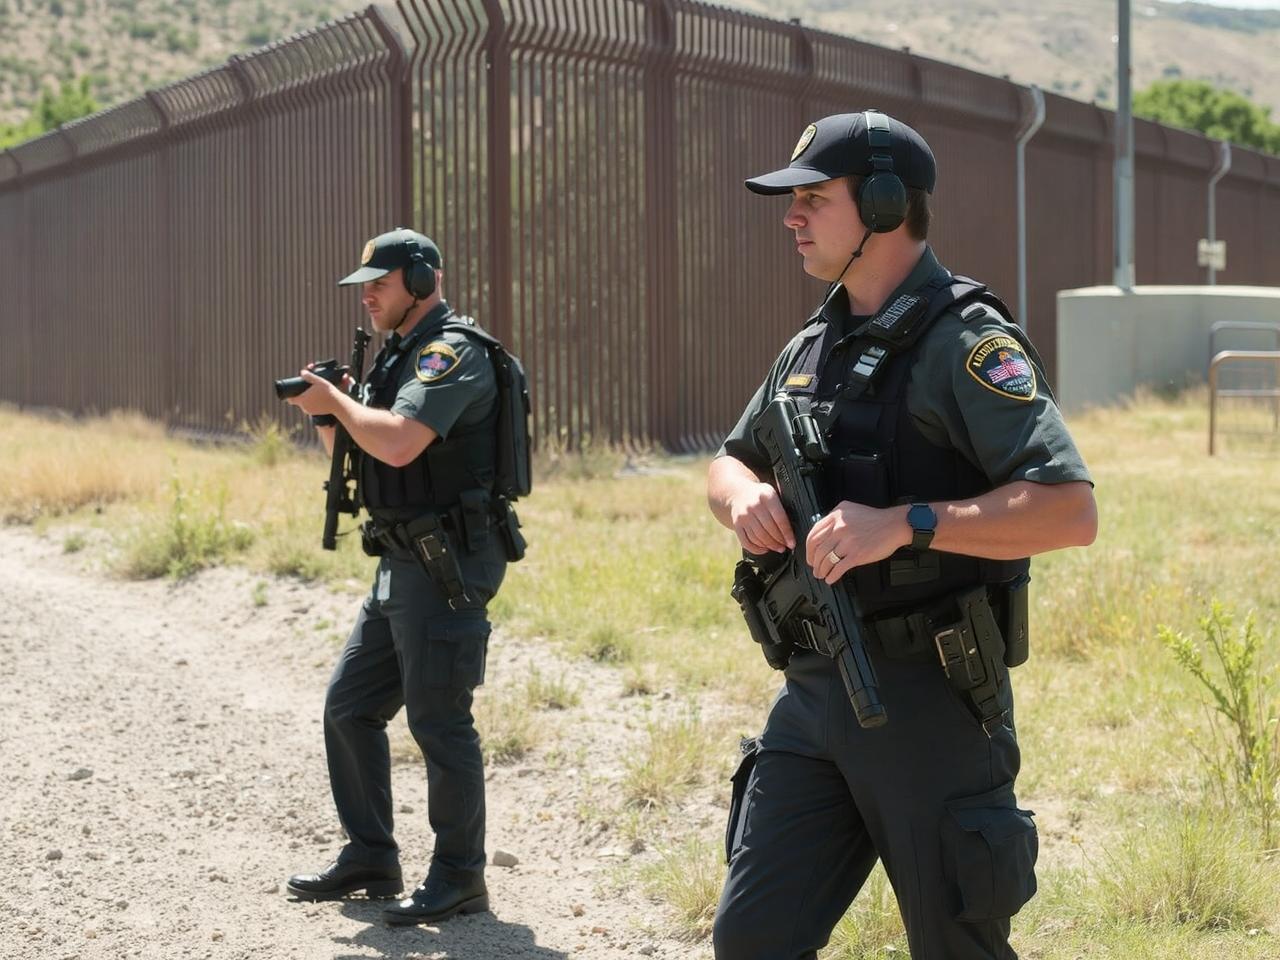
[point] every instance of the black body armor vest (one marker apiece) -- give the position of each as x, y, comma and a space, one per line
435, 481
879, 457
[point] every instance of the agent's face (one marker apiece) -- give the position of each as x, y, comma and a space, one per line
386, 300
824, 219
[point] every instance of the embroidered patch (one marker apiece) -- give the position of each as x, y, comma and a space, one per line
436, 361
367, 254
799, 380
806, 138
999, 364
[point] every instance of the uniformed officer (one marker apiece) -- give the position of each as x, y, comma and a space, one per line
950, 466
425, 434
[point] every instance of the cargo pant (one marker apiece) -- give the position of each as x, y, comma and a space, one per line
409, 648
818, 799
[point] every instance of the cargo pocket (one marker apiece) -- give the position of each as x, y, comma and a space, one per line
456, 652
989, 851
738, 800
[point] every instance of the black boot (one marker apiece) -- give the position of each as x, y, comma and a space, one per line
339, 879
439, 899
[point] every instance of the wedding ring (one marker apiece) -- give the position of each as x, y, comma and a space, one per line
834, 557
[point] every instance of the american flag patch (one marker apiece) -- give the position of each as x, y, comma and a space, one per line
435, 361
1000, 364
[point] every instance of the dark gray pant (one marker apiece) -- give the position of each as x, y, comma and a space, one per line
409, 648
929, 794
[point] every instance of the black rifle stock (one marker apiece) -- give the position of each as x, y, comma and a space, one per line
340, 488
790, 601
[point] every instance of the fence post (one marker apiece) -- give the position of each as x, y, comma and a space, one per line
497, 45
168, 389
401, 116
661, 302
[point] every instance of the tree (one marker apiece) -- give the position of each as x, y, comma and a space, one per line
1217, 113
72, 100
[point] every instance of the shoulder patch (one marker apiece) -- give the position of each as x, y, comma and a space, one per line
435, 361
799, 380
999, 363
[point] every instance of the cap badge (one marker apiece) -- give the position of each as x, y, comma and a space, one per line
806, 138
367, 254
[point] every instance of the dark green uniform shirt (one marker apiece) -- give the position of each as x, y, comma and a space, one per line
448, 381
950, 396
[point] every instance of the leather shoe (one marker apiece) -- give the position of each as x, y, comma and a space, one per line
339, 879
438, 900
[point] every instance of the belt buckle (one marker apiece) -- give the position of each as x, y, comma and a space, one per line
937, 643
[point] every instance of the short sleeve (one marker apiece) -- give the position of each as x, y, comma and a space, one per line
448, 382
978, 387
740, 443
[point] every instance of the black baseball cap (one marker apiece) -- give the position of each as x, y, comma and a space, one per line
837, 146
393, 251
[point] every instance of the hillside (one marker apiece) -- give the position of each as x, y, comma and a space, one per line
126, 46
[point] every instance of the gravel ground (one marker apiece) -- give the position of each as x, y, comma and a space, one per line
164, 773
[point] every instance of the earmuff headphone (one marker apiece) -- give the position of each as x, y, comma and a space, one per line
882, 199
419, 276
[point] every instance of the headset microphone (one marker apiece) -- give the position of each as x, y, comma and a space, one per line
856, 254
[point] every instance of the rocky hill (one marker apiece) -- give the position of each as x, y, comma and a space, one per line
126, 46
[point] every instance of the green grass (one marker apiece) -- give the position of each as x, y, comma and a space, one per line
627, 567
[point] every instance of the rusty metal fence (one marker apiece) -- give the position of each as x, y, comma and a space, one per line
580, 163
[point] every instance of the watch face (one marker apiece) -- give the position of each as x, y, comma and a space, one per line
922, 517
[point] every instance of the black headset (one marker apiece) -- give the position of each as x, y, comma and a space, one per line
419, 276
882, 199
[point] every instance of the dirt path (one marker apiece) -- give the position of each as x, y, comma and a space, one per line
164, 772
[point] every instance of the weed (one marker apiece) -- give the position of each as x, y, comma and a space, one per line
688, 877
1244, 755
544, 693
508, 729
872, 927
189, 539
74, 542
260, 593
672, 759
1194, 869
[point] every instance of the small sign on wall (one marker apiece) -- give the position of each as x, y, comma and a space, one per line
1211, 253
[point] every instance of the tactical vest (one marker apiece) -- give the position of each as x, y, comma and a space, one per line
879, 457
436, 479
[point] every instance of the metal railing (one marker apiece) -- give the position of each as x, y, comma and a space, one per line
1240, 357
1252, 326
580, 163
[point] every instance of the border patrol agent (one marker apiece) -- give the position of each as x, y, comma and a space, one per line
950, 466
426, 439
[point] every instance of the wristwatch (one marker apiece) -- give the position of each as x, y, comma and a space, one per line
923, 523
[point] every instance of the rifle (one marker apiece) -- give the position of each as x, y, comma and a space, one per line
340, 488
781, 597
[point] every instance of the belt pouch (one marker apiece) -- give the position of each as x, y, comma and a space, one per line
476, 519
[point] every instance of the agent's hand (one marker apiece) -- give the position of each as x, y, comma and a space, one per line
319, 398
760, 521
856, 534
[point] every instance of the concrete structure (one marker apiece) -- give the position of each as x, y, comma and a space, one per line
1110, 341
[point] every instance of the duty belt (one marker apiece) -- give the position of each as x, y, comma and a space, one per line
962, 633
427, 539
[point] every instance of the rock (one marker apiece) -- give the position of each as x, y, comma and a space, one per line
648, 950
503, 859
271, 888
599, 931
83, 773
405, 808
85, 830
122, 904
53, 855
578, 909
217, 935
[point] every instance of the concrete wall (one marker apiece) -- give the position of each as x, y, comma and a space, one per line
1110, 342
